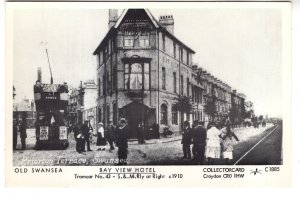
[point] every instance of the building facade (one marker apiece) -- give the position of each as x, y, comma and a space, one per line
82, 104
142, 69
89, 111
24, 110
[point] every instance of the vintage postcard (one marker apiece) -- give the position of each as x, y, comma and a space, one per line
148, 94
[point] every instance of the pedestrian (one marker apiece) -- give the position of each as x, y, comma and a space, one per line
140, 133
213, 146
111, 134
15, 135
121, 141
85, 130
80, 143
23, 134
227, 143
101, 141
76, 130
199, 141
186, 140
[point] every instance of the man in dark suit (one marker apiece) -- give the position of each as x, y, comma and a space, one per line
23, 134
15, 135
111, 130
121, 142
199, 142
85, 130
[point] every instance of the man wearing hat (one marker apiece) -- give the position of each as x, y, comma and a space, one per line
199, 141
111, 129
85, 130
121, 141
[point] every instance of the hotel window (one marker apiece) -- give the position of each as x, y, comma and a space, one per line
187, 58
108, 83
107, 114
137, 76
104, 85
104, 55
144, 40
188, 87
181, 54
164, 78
174, 116
99, 89
128, 39
99, 115
164, 114
164, 42
181, 85
115, 79
108, 47
174, 49
174, 82
201, 118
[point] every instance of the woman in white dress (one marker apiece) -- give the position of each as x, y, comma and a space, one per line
213, 146
101, 141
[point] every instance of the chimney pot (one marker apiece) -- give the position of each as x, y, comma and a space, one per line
167, 22
113, 17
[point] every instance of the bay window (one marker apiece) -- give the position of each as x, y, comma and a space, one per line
137, 76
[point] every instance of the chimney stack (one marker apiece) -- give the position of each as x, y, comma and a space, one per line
167, 22
113, 17
39, 74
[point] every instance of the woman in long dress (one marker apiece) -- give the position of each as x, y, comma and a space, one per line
213, 146
101, 141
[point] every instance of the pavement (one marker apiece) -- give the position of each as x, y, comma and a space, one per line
164, 151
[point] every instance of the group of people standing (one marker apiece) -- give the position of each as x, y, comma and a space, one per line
212, 143
114, 135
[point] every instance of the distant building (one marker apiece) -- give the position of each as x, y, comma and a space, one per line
24, 110
90, 103
83, 103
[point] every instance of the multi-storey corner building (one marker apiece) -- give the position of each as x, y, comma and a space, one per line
142, 69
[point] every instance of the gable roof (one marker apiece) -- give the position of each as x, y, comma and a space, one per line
156, 24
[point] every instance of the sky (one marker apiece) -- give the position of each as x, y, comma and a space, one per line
242, 47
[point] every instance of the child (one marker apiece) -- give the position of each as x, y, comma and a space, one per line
227, 143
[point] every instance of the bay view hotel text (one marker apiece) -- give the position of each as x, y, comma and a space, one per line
143, 70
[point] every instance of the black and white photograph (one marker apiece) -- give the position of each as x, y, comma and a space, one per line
147, 86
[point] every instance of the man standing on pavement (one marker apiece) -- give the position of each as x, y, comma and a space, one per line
23, 134
15, 135
186, 140
85, 130
121, 141
111, 130
199, 142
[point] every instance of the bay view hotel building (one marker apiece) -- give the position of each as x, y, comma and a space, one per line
142, 69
